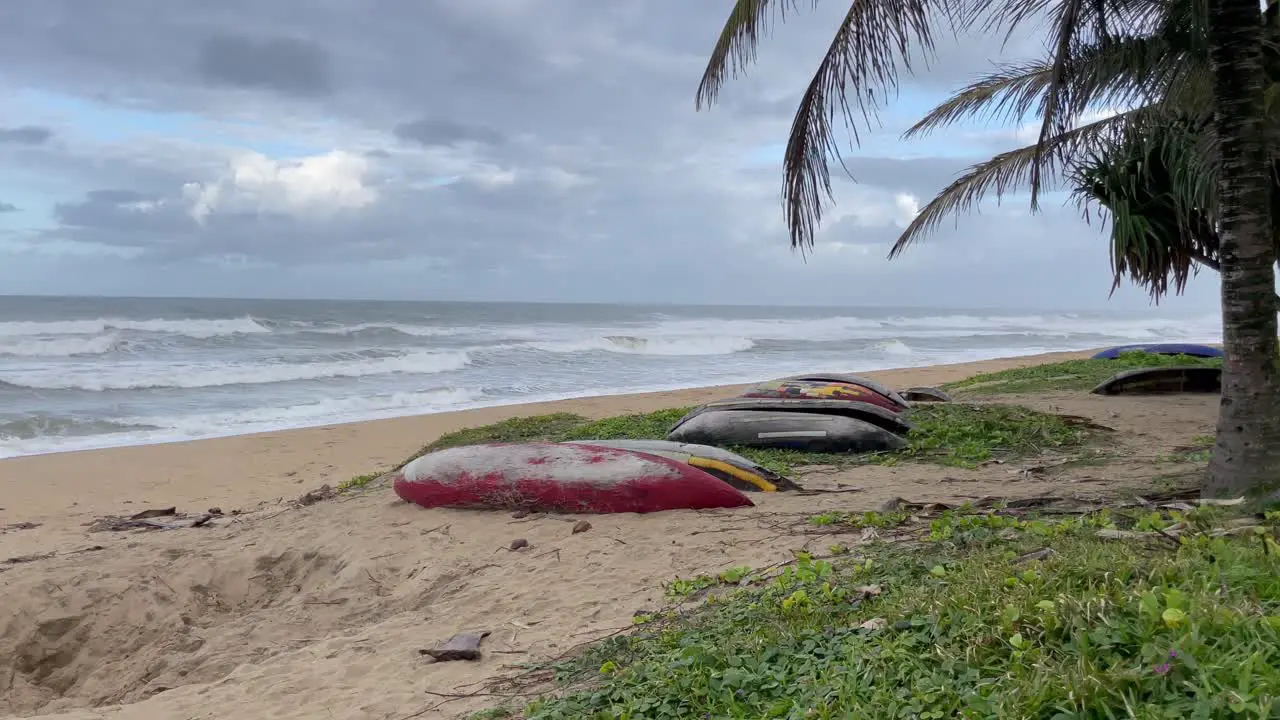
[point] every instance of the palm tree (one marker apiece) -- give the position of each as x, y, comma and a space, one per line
1246, 454
1160, 61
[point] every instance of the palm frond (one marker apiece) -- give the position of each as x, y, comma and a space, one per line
1124, 72
1160, 224
735, 49
1007, 172
1156, 183
872, 45
1056, 111
1006, 94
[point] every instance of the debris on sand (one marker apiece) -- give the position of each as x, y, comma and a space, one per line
580, 527
23, 559
311, 497
463, 646
19, 526
517, 544
153, 519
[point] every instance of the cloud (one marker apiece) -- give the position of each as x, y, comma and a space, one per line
8, 207
435, 131
287, 65
26, 135
499, 149
312, 186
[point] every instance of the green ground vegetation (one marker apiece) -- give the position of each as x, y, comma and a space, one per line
1069, 375
946, 433
980, 616
357, 482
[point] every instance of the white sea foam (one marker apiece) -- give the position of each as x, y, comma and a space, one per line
195, 328
154, 429
197, 374
669, 345
58, 345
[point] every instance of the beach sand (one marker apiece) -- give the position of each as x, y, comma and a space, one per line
320, 611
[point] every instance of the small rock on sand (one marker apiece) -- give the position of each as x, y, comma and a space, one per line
580, 527
463, 646
518, 543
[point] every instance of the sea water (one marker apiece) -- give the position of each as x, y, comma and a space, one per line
79, 373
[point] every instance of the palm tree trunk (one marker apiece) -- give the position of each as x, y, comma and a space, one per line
1246, 456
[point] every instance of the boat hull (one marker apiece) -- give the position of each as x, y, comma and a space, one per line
866, 412
822, 390
741, 473
1192, 349
1163, 381
560, 477
852, 380
788, 431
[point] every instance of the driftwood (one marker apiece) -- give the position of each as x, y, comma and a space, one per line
463, 646
151, 520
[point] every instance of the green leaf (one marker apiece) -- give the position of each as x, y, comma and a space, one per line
1149, 605
1173, 617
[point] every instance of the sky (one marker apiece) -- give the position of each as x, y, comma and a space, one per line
540, 150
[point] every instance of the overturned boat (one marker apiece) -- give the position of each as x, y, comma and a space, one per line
1163, 380
866, 412
730, 467
823, 390
787, 431
810, 425
851, 379
1189, 349
560, 477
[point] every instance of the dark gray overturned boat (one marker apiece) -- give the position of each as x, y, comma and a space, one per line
852, 380
866, 412
811, 432
812, 425
1163, 380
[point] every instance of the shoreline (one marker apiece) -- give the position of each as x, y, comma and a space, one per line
238, 471
514, 403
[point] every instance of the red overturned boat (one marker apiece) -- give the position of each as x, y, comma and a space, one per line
557, 477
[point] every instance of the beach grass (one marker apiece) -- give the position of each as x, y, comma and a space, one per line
955, 434
358, 481
1068, 375
979, 615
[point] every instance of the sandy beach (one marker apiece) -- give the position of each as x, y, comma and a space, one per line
319, 611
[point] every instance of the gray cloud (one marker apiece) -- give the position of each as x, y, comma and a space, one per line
433, 131
503, 149
284, 64
25, 135
8, 207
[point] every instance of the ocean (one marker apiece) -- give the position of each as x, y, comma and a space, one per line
80, 373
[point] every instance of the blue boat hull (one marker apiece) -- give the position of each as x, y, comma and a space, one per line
1191, 349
